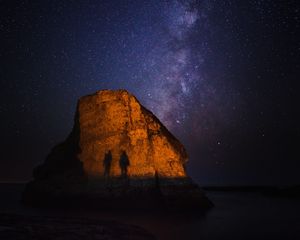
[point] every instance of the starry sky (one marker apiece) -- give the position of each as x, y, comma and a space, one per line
221, 75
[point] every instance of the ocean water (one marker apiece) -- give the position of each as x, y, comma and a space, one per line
236, 215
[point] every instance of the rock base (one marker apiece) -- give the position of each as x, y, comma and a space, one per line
117, 193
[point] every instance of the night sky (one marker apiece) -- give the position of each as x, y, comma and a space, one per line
221, 75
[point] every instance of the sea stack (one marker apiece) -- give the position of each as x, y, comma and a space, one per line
118, 155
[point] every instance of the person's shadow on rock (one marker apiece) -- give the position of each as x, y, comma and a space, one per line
107, 163
124, 163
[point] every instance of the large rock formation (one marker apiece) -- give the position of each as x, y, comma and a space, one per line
117, 151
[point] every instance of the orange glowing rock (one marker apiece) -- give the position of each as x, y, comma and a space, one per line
117, 151
116, 121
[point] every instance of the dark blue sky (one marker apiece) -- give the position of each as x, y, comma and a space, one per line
221, 75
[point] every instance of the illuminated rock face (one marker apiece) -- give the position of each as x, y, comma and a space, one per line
116, 121
118, 155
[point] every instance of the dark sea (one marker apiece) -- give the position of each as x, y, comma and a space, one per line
236, 215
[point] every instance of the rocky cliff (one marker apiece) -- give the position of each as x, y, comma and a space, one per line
117, 151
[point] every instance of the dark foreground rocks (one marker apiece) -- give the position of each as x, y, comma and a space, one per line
180, 195
17, 227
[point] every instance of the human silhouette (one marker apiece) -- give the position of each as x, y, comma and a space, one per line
124, 163
107, 163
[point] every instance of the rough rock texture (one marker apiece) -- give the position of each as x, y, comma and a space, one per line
116, 121
116, 150
17, 227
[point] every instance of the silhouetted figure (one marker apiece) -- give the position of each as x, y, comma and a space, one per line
124, 163
107, 163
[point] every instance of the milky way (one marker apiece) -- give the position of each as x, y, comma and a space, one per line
178, 90
170, 65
